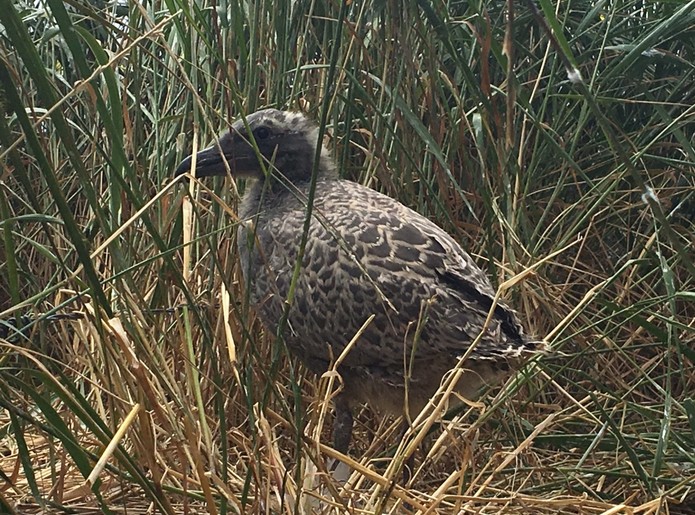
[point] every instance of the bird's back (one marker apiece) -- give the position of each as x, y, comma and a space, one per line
366, 254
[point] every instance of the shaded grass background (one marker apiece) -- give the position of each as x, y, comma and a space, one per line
463, 111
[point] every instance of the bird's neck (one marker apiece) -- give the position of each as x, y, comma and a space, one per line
262, 195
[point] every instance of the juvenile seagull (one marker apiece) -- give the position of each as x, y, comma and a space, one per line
366, 254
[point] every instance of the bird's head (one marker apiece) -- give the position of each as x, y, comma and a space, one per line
286, 143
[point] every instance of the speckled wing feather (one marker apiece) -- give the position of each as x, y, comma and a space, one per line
367, 254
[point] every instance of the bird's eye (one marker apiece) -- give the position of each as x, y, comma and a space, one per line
261, 133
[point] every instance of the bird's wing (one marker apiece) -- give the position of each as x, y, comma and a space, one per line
378, 257
463, 276
368, 255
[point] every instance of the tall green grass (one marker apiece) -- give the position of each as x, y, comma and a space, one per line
464, 111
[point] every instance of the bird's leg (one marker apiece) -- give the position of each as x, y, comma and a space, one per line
407, 467
342, 434
342, 426
410, 460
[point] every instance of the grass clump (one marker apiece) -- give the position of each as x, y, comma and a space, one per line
555, 145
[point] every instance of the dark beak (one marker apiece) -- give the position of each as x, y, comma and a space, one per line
209, 162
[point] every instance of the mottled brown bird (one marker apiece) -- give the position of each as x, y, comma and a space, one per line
366, 254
